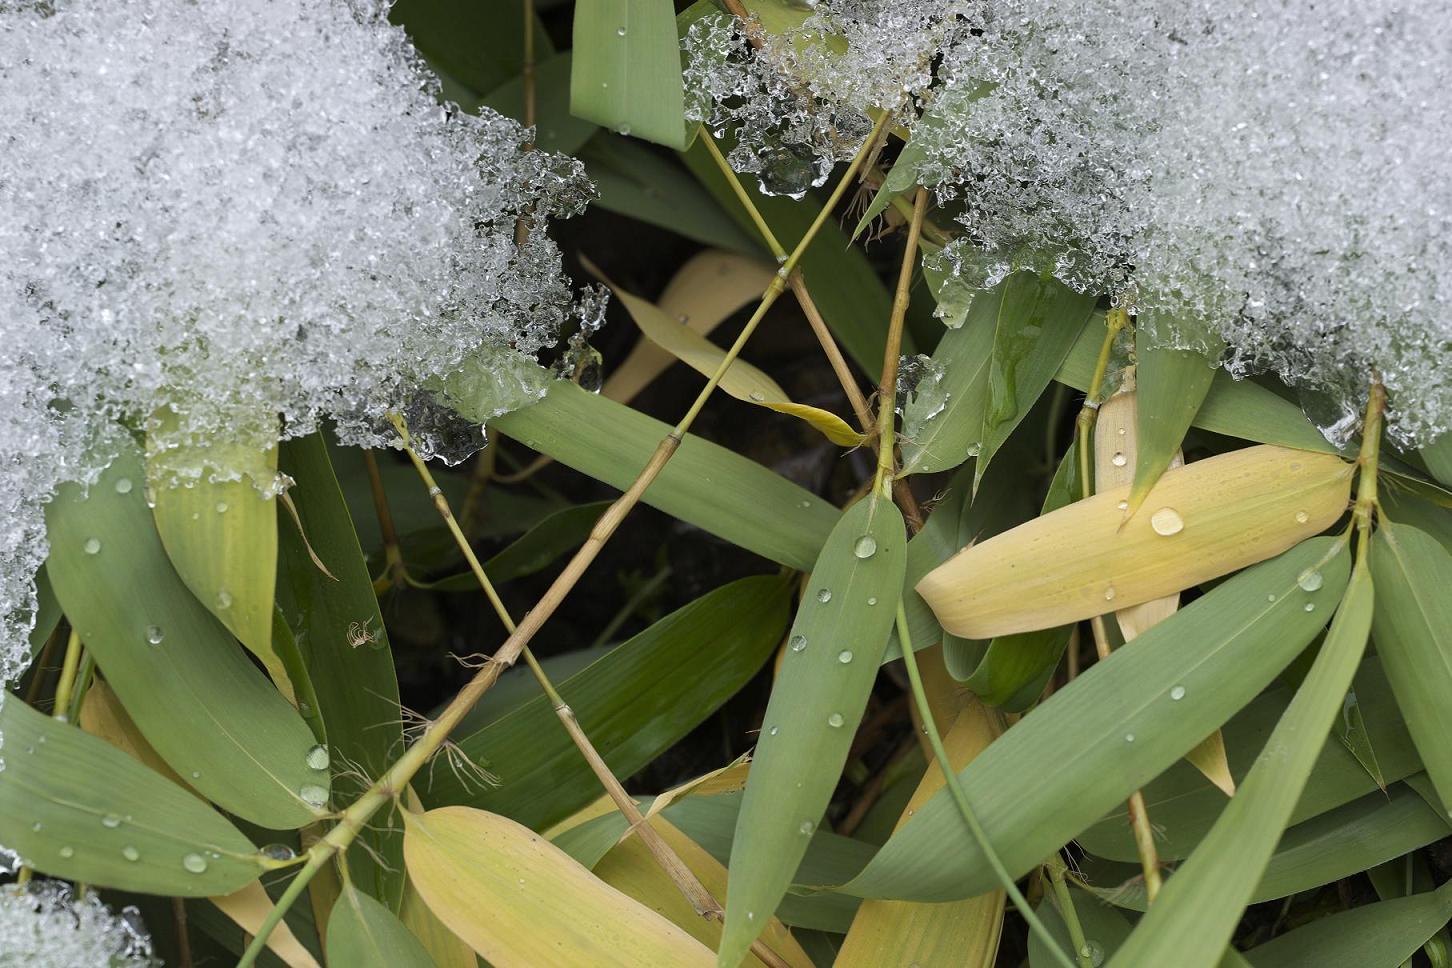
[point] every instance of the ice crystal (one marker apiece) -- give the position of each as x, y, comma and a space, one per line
43, 925
220, 221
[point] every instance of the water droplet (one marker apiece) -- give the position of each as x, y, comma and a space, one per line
1177, 693
1122, 431
131, 853
1119, 460
751, 915
1109, 594
1271, 597
805, 504
798, 642
1302, 517
1310, 606
154, 634
620, 31
625, 129
835, 720
221, 507
35, 826
1167, 521
92, 546
224, 599
278, 852
872, 600
1094, 952
111, 821
845, 656
807, 827
1123, 505
313, 795
773, 731
196, 774
865, 547
756, 396
1129, 737
318, 758
67, 851
1309, 580
824, 596
123, 485
195, 863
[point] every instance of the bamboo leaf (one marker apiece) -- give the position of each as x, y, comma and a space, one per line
519, 901
707, 485
821, 690
952, 435
633, 703
445, 948
1196, 913
555, 128
1413, 629
191, 691
741, 380
1438, 456
535, 550
473, 49
75, 807
1210, 518
363, 932
1381, 935
1172, 384
1104, 930
1350, 728
103, 715
626, 74
341, 637
1167, 690
248, 908
1039, 321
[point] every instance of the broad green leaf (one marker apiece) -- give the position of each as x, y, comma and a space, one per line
1185, 806
1039, 321
473, 48
1381, 935
900, 178
555, 128
626, 74
1171, 385
535, 550
843, 283
704, 484
635, 181
1104, 929
1413, 630
1350, 728
1112, 729
1236, 408
341, 637
182, 677
363, 932
521, 902
1192, 920
633, 703
1438, 456
73, 806
821, 690
741, 380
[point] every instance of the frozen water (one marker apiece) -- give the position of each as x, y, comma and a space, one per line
254, 217
43, 925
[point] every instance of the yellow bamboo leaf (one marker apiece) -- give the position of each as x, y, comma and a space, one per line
1204, 520
741, 380
248, 908
445, 947
518, 900
730, 778
963, 933
708, 289
103, 715
1116, 451
597, 808
630, 868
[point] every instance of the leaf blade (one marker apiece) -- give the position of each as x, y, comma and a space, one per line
626, 73
363, 932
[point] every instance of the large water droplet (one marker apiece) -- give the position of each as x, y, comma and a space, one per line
835, 720
872, 600
845, 656
195, 863
1119, 460
318, 757
278, 852
313, 795
1093, 951
1167, 521
111, 821
154, 634
123, 485
1177, 693
798, 642
92, 546
865, 547
131, 853
824, 596
1309, 580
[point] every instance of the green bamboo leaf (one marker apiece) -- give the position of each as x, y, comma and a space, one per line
1381, 935
1236, 408
535, 550
555, 128
47, 612
1039, 321
821, 690
341, 637
1171, 385
627, 70
191, 691
1413, 629
363, 932
1112, 729
74, 806
221, 536
1104, 930
1192, 920
1438, 456
473, 48
1350, 728
844, 285
704, 484
941, 440
633, 703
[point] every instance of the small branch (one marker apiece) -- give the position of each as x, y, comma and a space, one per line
395, 572
887, 387
65, 687
1064, 901
1369, 459
757, 218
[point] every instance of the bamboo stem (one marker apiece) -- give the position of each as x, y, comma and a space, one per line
66, 685
887, 387
1065, 903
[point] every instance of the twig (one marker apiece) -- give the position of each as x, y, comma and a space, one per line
887, 387
395, 572
1064, 901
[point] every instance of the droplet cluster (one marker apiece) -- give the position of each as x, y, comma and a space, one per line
224, 221
45, 926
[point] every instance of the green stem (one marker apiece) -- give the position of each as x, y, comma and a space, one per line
66, 686
743, 197
887, 388
960, 797
1065, 903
